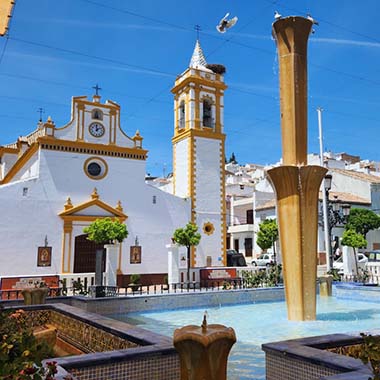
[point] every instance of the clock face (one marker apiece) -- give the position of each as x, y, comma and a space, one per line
96, 129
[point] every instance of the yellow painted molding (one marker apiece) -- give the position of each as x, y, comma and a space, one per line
200, 81
95, 158
20, 163
206, 133
69, 214
89, 218
81, 102
91, 148
5, 150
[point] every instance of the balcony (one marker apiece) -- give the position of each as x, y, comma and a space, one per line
240, 228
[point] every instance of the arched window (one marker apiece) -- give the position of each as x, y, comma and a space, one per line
181, 119
97, 114
207, 114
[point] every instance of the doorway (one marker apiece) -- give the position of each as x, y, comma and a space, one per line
85, 255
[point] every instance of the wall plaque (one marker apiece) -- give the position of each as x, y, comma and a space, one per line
135, 254
44, 256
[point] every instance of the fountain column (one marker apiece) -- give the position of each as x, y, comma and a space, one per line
296, 184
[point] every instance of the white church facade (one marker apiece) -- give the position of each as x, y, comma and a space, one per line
58, 179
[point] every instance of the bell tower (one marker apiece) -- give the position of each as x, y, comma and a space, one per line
198, 154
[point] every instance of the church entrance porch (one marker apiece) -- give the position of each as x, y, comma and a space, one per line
85, 255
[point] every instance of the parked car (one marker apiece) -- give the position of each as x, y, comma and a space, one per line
373, 256
264, 260
362, 261
235, 259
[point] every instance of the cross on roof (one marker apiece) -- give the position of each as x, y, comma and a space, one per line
96, 88
41, 111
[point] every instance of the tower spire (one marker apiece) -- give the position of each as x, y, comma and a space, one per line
198, 60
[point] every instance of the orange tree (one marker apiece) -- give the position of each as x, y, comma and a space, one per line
187, 237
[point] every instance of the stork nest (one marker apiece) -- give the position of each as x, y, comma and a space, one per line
216, 68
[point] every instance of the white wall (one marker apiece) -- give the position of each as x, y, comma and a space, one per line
208, 204
26, 220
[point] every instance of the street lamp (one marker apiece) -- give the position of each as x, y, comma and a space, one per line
337, 215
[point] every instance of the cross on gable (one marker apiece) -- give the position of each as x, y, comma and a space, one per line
96, 88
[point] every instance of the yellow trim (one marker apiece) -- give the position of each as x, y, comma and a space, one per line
67, 229
218, 124
68, 218
223, 203
89, 218
82, 123
20, 163
81, 101
85, 168
119, 271
70, 246
197, 120
197, 79
63, 251
190, 80
207, 133
114, 114
191, 190
111, 116
91, 148
5, 149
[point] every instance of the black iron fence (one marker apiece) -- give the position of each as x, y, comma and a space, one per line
136, 289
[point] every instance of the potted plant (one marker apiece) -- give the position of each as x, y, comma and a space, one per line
135, 282
109, 232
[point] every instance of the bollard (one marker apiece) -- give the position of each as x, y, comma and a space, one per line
325, 285
203, 350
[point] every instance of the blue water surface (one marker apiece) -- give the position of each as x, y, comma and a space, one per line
255, 324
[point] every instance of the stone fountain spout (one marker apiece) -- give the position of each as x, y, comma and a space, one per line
203, 350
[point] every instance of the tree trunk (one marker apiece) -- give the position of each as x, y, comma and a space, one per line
356, 262
188, 264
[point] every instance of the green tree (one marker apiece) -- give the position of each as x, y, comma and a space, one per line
268, 235
187, 237
362, 221
106, 231
353, 239
232, 159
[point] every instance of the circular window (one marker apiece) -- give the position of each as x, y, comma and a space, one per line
95, 168
208, 228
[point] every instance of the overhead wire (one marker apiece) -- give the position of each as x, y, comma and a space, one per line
150, 70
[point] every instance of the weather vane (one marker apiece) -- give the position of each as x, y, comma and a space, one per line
41, 111
96, 88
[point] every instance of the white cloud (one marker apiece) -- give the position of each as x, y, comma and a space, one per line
336, 41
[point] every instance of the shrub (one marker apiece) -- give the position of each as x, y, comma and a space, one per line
135, 278
21, 354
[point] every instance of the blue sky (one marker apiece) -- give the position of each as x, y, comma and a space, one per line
135, 49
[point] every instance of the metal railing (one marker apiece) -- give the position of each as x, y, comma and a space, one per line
113, 291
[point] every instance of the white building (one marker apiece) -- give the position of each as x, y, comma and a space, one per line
57, 180
358, 188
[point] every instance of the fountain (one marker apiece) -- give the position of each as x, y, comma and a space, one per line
204, 350
296, 184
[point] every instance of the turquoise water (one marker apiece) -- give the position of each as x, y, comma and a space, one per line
260, 323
